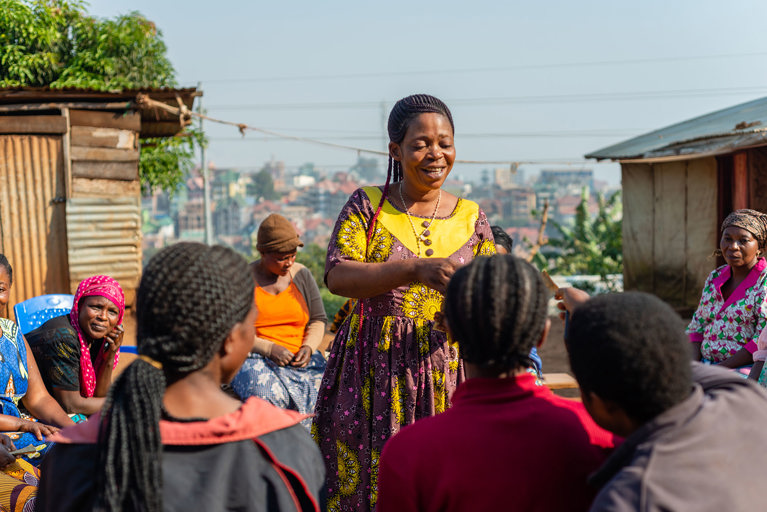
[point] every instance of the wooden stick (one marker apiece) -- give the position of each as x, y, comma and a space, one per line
541, 239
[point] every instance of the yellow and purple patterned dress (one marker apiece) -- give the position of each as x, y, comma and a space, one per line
396, 369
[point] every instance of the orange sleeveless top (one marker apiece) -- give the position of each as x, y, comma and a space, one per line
282, 318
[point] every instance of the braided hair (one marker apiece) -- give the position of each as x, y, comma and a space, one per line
7, 266
190, 297
496, 308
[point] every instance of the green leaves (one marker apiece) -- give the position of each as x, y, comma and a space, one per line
55, 43
592, 245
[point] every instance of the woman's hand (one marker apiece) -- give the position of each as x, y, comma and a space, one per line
570, 298
280, 355
6, 446
40, 430
113, 341
435, 272
302, 357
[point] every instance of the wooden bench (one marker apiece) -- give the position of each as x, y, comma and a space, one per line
559, 381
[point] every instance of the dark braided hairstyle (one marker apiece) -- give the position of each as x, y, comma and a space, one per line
6, 264
190, 297
496, 308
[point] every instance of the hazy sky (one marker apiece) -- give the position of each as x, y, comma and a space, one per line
526, 81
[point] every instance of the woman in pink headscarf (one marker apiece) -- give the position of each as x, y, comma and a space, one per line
76, 353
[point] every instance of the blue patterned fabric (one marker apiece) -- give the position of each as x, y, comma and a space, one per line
13, 386
284, 386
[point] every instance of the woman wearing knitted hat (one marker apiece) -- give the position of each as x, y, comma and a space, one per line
284, 367
77, 352
732, 310
394, 248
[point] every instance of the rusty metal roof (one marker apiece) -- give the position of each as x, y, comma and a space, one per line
724, 131
154, 122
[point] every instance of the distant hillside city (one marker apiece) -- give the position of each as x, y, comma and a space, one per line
312, 198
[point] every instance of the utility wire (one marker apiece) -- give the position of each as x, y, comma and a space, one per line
508, 100
517, 67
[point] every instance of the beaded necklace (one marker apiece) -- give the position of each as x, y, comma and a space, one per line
425, 233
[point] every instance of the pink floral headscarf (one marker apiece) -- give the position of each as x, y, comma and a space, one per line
101, 286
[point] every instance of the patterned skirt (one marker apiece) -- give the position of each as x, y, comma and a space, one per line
395, 372
284, 386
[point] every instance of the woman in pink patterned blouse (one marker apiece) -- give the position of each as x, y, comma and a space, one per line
732, 310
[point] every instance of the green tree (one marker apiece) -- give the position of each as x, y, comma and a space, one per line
591, 246
264, 185
55, 43
366, 168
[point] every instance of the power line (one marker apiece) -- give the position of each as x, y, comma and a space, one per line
508, 100
543, 135
518, 67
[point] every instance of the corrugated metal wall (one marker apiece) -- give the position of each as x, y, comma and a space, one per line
32, 230
104, 237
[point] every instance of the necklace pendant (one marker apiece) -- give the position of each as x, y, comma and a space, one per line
426, 223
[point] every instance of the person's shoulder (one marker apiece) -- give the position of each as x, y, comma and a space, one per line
574, 413
56, 330
623, 492
294, 447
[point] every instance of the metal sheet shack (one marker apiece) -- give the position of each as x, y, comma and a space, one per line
69, 183
679, 182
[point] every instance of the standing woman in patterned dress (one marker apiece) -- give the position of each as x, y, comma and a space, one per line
394, 248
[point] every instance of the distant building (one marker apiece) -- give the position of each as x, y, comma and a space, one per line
570, 180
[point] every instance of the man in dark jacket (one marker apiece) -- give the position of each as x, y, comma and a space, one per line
694, 434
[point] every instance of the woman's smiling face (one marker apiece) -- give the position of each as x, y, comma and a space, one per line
97, 317
427, 152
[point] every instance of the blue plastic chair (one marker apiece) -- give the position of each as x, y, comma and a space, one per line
34, 312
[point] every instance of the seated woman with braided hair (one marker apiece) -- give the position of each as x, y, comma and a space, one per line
506, 444
732, 310
169, 438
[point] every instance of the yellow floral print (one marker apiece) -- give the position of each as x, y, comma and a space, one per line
384, 343
453, 354
421, 302
334, 504
348, 470
422, 331
380, 245
438, 378
485, 248
374, 457
315, 433
398, 397
352, 240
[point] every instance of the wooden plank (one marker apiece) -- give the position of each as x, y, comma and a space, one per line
32, 124
757, 170
559, 381
702, 227
93, 136
638, 219
124, 171
121, 120
89, 187
739, 181
80, 153
670, 231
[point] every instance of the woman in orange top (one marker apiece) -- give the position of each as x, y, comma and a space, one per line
284, 367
